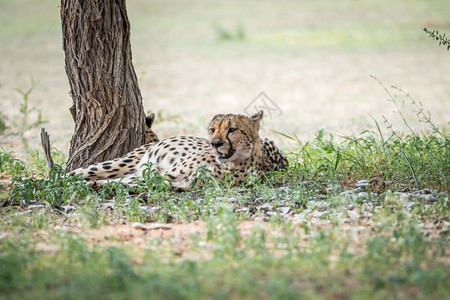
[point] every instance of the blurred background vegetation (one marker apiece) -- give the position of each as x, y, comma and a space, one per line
197, 58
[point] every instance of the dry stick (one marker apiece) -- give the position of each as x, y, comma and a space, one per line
45, 140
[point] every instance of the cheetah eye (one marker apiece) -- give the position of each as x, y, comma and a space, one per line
232, 129
211, 130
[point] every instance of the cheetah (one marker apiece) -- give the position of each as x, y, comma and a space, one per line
150, 135
273, 158
234, 148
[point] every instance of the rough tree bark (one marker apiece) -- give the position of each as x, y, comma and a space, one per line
107, 103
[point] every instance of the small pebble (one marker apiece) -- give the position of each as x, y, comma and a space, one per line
284, 210
155, 209
266, 206
232, 200
62, 228
68, 208
353, 215
153, 226
36, 206
106, 206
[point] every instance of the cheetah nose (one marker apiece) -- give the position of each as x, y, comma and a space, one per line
216, 143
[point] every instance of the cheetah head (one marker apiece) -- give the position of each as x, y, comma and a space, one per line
150, 136
233, 137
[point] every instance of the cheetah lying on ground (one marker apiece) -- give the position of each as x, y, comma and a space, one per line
273, 158
233, 148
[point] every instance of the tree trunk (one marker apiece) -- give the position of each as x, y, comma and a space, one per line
107, 104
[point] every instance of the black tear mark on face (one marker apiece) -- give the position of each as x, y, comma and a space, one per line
230, 153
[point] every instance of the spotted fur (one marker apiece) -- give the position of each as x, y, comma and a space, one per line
233, 148
273, 158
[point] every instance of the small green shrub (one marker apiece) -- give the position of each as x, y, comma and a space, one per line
57, 189
11, 165
154, 180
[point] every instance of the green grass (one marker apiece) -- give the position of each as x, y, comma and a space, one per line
396, 247
313, 234
397, 259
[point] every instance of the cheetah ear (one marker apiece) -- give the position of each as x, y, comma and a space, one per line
217, 116
149, 120
258, 116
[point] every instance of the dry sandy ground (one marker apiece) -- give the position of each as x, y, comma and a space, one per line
185, 241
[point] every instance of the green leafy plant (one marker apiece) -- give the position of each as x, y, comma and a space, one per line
57, 189
153, 182
441, 38
203, 179
11, 165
